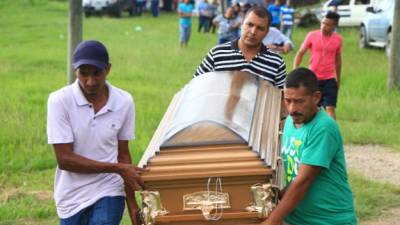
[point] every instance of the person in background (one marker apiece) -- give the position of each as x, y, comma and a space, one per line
155, 7
185, 9
248, 52
214, 13
239, 15
277, 42
287, 19
275, 10
317, 188
140, 4
89, 124
325, 46
227, 26
204, 16
334, 4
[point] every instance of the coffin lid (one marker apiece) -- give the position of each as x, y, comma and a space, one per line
220, 108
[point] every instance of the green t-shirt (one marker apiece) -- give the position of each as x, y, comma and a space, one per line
329, 200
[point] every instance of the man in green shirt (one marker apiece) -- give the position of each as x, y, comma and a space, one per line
317, 190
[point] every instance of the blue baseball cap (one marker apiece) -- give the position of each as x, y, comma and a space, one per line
90, 53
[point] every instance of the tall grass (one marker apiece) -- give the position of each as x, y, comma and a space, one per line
149, 64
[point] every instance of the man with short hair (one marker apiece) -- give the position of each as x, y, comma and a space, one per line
317, 188
326, 59
248, 52
89, 124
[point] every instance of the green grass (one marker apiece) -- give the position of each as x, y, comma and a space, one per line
151, 66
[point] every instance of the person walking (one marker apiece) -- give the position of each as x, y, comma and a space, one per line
287, 19
275, 10
205, 14
89, 125
325, 46
227, 24
185, 9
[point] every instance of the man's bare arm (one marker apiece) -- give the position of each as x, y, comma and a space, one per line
294, 193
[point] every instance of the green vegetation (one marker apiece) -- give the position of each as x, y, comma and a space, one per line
150, 65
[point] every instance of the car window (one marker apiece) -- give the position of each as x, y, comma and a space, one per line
345, 2
385, 5
363, 2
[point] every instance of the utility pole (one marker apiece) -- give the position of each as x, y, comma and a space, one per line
394, 63
74, 34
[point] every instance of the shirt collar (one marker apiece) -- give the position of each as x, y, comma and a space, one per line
81, 100
235, 45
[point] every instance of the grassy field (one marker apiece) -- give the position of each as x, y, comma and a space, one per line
151, 66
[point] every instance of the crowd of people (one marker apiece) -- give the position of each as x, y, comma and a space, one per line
90, 122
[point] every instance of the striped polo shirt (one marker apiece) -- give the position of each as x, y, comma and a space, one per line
227, 57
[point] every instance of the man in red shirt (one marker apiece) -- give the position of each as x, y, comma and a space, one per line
326, 60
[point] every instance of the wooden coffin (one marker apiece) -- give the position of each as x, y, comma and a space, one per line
216, 147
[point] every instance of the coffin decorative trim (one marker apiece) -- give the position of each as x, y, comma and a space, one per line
264, 198
152, 207
206, 201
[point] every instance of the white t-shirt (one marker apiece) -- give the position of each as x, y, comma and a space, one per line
274, 36
71, 119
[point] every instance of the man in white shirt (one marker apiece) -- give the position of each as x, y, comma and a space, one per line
89, 124
277, 41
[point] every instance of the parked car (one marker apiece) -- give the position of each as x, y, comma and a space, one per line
351, 12
376, 28
111, 7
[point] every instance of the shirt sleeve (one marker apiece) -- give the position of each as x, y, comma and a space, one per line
281, 75
127, 131
339, 49
207, 65
320, 148
59, 130
307, 41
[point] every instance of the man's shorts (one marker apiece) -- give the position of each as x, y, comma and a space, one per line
329, 91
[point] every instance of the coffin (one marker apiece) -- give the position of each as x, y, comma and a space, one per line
214, 158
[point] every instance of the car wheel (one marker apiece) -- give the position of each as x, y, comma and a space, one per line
88, 14
388, 45
363, 38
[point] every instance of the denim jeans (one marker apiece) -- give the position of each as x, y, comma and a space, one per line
106, 211
287, 31
154, 7
185, 31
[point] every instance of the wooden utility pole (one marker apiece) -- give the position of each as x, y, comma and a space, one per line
394, 63
74, 34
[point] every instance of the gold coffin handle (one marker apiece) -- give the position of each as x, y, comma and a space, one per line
265, 197
152, 207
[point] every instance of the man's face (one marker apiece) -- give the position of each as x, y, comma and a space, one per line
92, 80
300, 104
328, 26
254, 29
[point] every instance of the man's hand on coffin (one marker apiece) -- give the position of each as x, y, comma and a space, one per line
293, 194
131, 175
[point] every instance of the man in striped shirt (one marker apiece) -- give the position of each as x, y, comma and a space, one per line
248, 52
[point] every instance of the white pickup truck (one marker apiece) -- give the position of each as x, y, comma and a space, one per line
351, 12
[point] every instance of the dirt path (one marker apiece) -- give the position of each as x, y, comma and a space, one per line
379, 164
374, 162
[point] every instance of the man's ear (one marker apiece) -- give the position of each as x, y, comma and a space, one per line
108, 69
317, 97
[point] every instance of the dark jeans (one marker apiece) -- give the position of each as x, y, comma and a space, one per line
155, 8
139, 8
204, 22
106, 211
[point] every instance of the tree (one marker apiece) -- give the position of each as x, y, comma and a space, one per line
74, 34
394, 65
